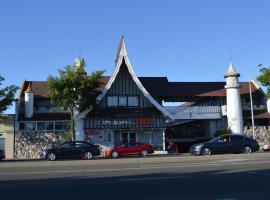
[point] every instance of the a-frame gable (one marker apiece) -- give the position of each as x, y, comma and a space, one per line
124, 85
122, 56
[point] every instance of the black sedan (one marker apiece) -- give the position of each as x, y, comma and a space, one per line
234, 143
2, 154
75, 149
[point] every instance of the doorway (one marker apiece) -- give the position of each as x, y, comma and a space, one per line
126, 137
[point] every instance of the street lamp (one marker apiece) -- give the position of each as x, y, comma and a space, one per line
251, 105
251, 108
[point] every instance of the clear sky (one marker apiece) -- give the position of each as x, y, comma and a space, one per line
185, 40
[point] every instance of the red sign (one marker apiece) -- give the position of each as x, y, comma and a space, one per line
91, 133
145, 121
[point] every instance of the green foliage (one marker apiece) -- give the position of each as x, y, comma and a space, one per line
74, 89
6, 95
264, 79
68, 135
224, 131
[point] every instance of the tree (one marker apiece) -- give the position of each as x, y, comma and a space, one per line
6, 95
74, 90
264, 79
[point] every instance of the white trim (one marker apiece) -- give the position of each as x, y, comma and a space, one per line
122, 54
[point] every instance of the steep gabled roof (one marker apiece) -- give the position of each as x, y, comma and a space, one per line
123, 57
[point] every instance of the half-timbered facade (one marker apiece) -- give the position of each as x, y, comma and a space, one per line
124, 115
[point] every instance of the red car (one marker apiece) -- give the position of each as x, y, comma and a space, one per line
132, 148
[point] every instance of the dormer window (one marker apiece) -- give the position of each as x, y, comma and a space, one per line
122, 101
112, 101
133, 101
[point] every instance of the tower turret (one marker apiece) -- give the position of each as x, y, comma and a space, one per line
29, 102
234, 108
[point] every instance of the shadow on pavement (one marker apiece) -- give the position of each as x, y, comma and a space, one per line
195, 185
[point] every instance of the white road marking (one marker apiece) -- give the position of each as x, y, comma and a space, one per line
152, 178
142, 167
231, 160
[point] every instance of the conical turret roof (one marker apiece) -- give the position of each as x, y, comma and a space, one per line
231, 72
28, 90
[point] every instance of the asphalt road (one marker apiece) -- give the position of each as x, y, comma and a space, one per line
222, 177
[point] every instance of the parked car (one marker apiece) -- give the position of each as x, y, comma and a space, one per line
132, 148
75, 149
2, 154
234, 143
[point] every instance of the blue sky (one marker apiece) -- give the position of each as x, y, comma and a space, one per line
185, 40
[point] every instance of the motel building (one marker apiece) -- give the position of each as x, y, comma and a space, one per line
133, 109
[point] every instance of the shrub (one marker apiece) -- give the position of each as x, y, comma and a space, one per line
224, 131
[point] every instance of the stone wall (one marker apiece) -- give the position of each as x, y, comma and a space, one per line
262, 134
30, 144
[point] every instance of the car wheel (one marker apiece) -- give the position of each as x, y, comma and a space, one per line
87, 155
206, 152
247, 150
144, 153
115, 154
51, 156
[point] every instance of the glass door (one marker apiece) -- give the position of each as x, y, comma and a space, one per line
128, 137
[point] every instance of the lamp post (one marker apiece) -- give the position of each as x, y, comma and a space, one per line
251, 109
251, 105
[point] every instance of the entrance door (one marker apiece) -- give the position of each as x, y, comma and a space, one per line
126, 137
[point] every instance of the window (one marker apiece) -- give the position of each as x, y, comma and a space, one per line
112, 101
80, 144
236, 138
40, 126
30, 126
59, 126
49, 126
133, 101
21, 126
107, 137
67, 145
122, 101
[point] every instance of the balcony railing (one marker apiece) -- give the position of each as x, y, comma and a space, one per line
195, 112
193, 109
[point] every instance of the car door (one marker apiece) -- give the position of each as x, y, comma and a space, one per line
222, 145
236, 143
66, 150
127, 149
134, 148
80, 148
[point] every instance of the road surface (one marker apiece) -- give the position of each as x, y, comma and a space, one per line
219, 177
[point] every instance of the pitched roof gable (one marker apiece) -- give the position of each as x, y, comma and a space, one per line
123, 57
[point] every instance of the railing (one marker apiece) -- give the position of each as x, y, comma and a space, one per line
246, 106
193, 109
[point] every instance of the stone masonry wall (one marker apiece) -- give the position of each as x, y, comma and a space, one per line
30, 144
262, 134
